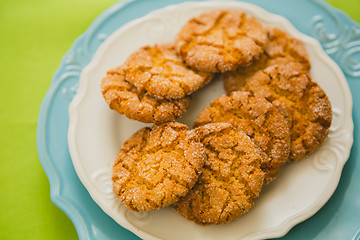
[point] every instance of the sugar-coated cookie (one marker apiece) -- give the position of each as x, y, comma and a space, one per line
156, 166
126, 99
231, 177
259, 119
302, 102
221, 40
161, 72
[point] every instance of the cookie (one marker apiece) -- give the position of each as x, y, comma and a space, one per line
161, 73
126, 99
221, 40
156, 166
259, 119
231, 177
302, 102
280, 49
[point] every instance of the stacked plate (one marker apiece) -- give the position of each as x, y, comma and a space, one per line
78, 136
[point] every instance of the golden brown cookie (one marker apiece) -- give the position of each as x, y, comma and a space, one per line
157, 166
259, 119
221, 40
302, 102
123, 97
280, 49
231, 177
161, 73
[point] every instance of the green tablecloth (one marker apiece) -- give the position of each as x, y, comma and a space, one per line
34, 35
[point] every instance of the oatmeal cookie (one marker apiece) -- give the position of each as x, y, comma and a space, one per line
221, 40
302, 102
231, 177
126, 99
280, 49
259, 119
161, 73
157, 166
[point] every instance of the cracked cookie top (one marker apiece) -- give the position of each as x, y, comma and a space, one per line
157, 166
162, 73
302, 102
280, 49
231, 177
259, 119
126, 99
221, 40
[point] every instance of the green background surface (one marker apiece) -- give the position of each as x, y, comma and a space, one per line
34, 36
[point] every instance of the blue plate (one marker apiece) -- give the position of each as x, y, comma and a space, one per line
340, 38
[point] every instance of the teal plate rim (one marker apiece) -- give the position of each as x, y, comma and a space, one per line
340, 38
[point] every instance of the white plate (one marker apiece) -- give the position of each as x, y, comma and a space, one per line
96, 133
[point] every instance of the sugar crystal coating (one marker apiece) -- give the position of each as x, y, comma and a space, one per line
160, 71
231, 177
126, 99
302, 102
280, 49
157, 166
259, 119
221, 40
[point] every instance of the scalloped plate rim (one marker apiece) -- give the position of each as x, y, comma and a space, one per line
45, 160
